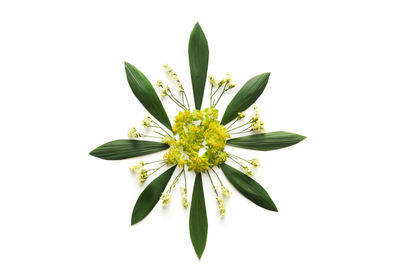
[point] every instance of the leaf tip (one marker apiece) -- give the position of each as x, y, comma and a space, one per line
199, 253
134, 219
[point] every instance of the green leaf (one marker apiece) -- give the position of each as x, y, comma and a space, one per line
121, 149
198, 224
246, 96
251, 189
266, 141
198, 61
150, 196
145, 93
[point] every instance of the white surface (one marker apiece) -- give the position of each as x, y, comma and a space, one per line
335, 78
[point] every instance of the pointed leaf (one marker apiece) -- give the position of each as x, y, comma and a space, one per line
198, 61
150, 196
246, 96
125, 148
251, 189
145, 93
198, 224
266, 141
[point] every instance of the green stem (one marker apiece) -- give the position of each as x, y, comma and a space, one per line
144, 135
217, 176
232, 123
223, 91
161, 128
187, 101
236, 156
215, 189
156, 169
184, 173
154, 162
177, 102
234, 160
239, 126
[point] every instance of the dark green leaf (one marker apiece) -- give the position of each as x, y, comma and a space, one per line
251, 189
266, 141
121, 149
198, 224
145, 93
198, 61
246, 96
150, 196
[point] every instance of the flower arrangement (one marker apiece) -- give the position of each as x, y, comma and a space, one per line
196, 141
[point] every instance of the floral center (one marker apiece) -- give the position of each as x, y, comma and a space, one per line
201, 140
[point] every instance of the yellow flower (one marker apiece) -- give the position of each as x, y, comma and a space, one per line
147, 121
166, 198
221, 205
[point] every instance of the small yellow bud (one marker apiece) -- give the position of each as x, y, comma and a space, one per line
221, 205
166, 198
213, 82
255, 162
164, 92
147, 121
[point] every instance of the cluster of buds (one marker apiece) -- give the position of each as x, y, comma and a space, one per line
133, 133
256, 124
225, 191
185, 203
135, 168
174, 76
248, 170
241, 115
213, 81
143, 175
147, 121
221, 205
227, 81
255, 162
165, 198
164, 90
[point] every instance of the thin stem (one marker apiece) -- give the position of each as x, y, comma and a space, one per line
144, 135
240, 132
177, 102
174, 182
184, 174
161, 128
216, 90
187, 101
236, 156
233, 123
163, 135
153, 162
215, 189
239, 126
217, 176
211, 95
247, 129
156, 169
234, 160
223, 91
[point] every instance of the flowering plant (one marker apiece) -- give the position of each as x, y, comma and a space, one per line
196, 141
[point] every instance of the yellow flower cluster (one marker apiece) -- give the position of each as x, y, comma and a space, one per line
256, 124
198, 131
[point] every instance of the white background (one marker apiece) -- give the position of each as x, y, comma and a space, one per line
335, 78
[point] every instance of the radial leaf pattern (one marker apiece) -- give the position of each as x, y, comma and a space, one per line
196, 141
